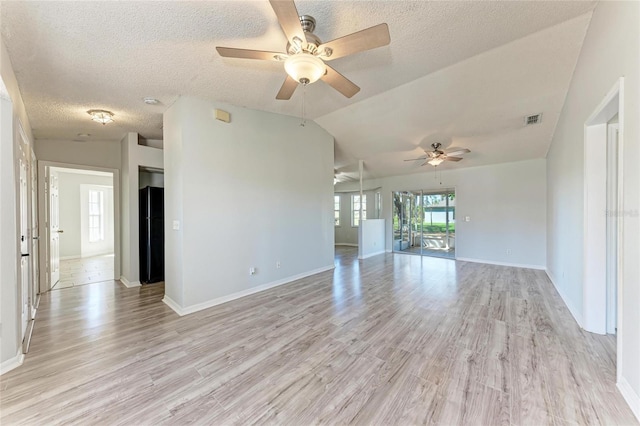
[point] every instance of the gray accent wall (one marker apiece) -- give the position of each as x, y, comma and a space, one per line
252, 193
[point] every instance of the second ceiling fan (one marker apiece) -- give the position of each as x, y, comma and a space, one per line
305, 55
437, 156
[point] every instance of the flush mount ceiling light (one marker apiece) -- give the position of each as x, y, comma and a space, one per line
305, 68
151, 101
101, 115
84, 135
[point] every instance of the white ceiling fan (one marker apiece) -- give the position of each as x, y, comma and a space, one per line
341, 175
305, 55
437, 156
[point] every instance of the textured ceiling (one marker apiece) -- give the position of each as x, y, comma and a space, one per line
464, 70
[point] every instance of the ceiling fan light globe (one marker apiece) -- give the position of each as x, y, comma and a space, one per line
304, 67
435, 161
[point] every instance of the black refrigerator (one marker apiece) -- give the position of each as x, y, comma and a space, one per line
151, 235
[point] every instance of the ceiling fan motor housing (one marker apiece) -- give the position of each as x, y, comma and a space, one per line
310, 45
308, 23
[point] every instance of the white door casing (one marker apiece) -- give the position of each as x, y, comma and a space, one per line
34, 267
24, 245
612, 227
54, 230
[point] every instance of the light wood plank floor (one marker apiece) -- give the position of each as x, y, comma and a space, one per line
86, 270
393, 339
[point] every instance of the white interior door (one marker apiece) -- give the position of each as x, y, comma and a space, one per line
54, 229
35, 272
612, 228
24, 247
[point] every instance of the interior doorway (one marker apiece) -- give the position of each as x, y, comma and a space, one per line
80, 217
424, 223
603, 189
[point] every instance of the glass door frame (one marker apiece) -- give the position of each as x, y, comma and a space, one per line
402, 228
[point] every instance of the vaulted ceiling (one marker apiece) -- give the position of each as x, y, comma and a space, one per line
460, 73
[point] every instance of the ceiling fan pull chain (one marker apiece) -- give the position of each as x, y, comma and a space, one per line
304, 95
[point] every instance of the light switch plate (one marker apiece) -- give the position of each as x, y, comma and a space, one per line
176, 225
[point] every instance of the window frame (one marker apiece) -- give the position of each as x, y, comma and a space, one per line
363, 203
337, 202
98, 236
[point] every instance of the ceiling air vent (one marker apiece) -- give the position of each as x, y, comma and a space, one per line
532, 119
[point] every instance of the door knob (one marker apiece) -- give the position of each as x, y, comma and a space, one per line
60, 231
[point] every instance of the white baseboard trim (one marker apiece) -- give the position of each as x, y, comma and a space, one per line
574, 312
632, 398
366, 256
173, 305
233, 296
346, 244
129, 284
12, 363
70, 257
512, 265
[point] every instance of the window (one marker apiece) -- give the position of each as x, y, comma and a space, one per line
355, 209
336, 209
96, 216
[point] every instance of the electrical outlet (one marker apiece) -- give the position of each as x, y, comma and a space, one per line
278, 264
176, 225
509, 252
252, 271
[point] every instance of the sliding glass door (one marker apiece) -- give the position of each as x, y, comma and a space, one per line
424, 223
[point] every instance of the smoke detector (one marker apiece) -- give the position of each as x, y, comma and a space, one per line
530, 120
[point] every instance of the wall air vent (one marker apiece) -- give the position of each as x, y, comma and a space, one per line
532, 119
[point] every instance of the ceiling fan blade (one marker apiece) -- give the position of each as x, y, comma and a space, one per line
360, 41
232, 52
288, 87
419, 158
339, 82
457, 151
447, 158
289, 19
433, 154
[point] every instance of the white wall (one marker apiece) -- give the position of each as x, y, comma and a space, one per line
12, 112
610, 50
133, 156
506, 204
94, 153
371, 239
247, 194
69, 186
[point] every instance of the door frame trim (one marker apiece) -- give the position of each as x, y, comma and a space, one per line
42, 216
594, 305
